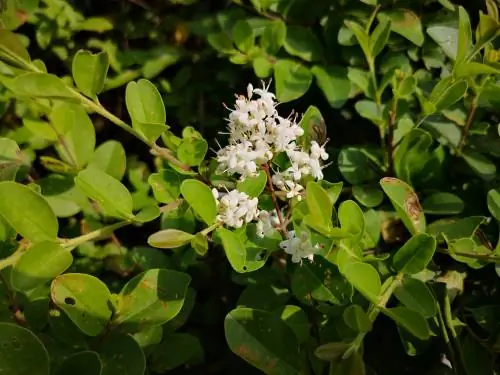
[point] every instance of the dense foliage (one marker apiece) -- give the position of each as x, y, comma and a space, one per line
150, 222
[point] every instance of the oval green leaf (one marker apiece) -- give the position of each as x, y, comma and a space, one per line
364, 278
89, 71
121, 354
415, 254
82, 363
27, 212
40, 263
201, 199
21, 352
152, 298
85, 299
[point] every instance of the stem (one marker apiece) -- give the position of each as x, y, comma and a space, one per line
389, 286
94, 235
372, 18
211, 228
98, 108
468, 124
265, 167
390, 136
447, 340
484, 257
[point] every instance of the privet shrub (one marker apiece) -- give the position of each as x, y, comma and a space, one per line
271, 242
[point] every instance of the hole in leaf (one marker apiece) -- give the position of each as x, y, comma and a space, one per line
69, 301
244, 268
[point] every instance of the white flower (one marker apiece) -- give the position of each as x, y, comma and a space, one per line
237, 208
299, 247
267, 224
294, 189
318, 151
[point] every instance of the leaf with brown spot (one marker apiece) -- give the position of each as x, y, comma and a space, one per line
151, 298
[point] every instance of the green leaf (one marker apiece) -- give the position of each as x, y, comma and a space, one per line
353, 365
175, 350
319, 204
82, 363
362, 37
96, 24
253, 186
12, 49
464, 36
110, 158
192, 151
263, 340
169, 239
416, 295
262, 66
166, 185
410, 320
273, 37
314, 127
364, 278
405, 23
415, 254
352, 221
406, 203
27, 212
446, 36
89, 72
21, 352
121, 354
488, 29
241, 259
201, 199
85, 299
493, 200
480, 164
292, 80
148, 213
243, 35
443, 204
78, 127
27, 272
333, 81
10, 159
368, 196
151, 298
302, 42
357, 166
472, 69
322, 281
41, 85
446, 93
331, 351
379, 37
357, 319
113, 197
146, 109
200, 244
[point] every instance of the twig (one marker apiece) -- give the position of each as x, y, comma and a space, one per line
466, 128
265, 167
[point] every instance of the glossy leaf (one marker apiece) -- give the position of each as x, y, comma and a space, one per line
85, 299
416, 295
175, 350
292, 80
243, 35
379, 37
364, 278
263, 340
28, 273
42, 85
113, 197
170, 239
12, 49
151, 298
201, 199
333, 81
82, 363
10, 159
253, 186
27, 212
110, 158
415, 254
443, 204
493, 200
405, 23
241, 259
357, 319
406, 203
410, 320
302, 42
121, 354
89, 71
21, 352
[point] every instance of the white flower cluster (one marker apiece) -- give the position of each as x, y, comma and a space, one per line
299, 247
236, 208
257, 133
